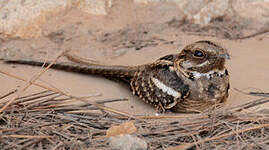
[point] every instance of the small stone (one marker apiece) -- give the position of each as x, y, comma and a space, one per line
127, 142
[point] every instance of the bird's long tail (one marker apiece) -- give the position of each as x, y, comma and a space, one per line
93, 69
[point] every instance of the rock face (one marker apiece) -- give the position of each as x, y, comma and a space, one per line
94, 6
257, 10
203, 11
24, 18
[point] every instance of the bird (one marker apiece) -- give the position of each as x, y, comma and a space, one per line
192, 80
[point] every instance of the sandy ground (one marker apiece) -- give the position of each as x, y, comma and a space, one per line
137, 37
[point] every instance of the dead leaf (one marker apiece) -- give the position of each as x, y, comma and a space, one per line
124, 128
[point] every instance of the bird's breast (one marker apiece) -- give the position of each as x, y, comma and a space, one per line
211, 86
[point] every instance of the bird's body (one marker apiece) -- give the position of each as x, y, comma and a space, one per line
190, 81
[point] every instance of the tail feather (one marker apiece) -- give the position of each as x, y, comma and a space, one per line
94, 69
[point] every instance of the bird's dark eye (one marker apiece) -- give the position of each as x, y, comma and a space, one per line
198, 53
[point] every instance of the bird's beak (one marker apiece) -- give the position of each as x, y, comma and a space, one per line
226, 56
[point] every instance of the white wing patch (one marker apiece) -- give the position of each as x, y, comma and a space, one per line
165, 88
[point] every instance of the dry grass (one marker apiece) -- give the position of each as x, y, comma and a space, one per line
47, 120
52, 119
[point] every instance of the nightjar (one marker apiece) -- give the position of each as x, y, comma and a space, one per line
192, 80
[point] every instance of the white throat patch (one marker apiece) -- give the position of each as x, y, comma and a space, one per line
208, 74
165, 88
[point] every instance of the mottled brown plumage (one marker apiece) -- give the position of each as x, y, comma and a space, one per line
190, 81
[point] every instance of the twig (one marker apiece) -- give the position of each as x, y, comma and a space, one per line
112, 100
60, 144
200, 34
262, 94
25, 136
34, 98
31, 143
37, 125
40, 101
250, 104
34, 94
253, 34
62, 135
9, 93
80, 60
163, 117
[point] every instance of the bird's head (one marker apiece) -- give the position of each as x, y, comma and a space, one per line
201, 57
